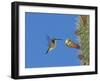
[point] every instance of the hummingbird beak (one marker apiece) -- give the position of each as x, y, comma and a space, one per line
58, 39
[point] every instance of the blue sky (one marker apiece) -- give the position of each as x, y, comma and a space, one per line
37, 27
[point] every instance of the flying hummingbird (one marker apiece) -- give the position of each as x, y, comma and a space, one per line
71, 44
52, 42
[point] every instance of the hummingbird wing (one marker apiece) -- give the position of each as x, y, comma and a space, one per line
48, 39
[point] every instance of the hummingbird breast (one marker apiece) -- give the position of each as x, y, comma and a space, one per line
53, 44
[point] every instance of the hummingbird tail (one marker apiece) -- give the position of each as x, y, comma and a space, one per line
47, 51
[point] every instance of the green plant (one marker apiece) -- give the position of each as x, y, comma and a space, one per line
83, 36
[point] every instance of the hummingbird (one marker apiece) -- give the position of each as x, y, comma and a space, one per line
52, 44
71, 44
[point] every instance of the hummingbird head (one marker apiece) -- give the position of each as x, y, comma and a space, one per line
53, 41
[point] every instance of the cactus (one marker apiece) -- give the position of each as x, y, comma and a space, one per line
82, 33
